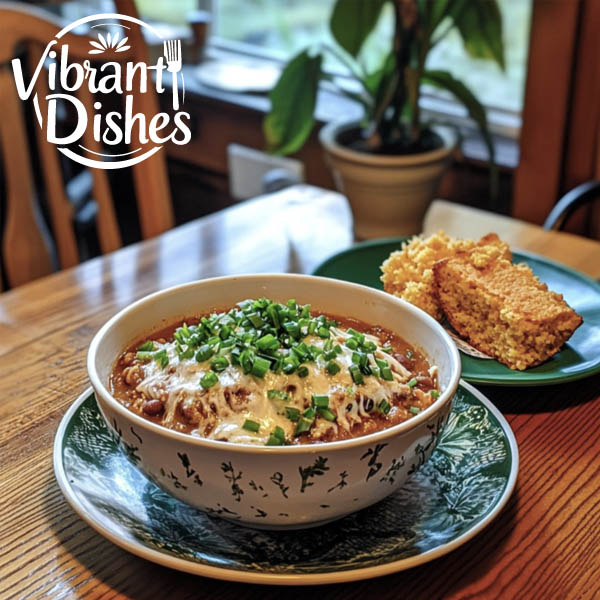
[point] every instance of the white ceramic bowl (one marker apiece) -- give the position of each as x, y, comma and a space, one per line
276, 487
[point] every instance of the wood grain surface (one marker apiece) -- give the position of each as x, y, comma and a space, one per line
543, 545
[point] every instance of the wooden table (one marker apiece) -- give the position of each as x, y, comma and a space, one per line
543, 545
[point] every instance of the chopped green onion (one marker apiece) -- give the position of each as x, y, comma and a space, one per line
323, 332
267, 343
204, 353
195, 339
312, 327
327, 414
261, 303
356, 375
309, 413
362, 360
272, 314
225, 332
369, 347
384, 407
289, 364
278, 432
386, 373
273, 394
302, 371
293, 414
409, 354
250, 425
219, 363
208, 380
387, 349
412, 383
256, 320
303, 425
305, 314
352, 343
333, 368
415, 410
320, 400
147, 346
144, 356
243, 304
301, 351
360, 337
274, 441
246, 360
292, 328
358, 358
235, 356
435, 394
162, 358
315, 351
276, 366
187, 353
292, 304
260, 366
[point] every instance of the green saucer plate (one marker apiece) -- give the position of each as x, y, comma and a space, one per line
580, 357
454, 495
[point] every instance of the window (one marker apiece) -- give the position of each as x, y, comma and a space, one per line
281, 28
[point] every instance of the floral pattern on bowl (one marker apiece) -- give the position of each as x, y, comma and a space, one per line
457, 492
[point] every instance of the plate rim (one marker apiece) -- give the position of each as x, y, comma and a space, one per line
232, 575
509, 379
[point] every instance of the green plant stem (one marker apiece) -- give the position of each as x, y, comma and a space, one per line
365, 103
360, 76
403, 40
424, 46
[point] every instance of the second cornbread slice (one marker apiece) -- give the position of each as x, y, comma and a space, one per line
502, 309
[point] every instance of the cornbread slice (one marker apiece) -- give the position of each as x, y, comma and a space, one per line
503, 309
408, 272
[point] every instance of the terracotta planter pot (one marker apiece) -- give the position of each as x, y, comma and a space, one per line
389, 195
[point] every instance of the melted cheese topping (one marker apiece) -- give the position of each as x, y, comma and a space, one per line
220, 411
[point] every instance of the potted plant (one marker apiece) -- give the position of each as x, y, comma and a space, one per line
391, 162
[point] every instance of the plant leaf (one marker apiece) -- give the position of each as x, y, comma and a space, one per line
446, 81
438, 12
293, 100
352, 21
432, 13
479, 23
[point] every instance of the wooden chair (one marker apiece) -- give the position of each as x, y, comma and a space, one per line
25, 249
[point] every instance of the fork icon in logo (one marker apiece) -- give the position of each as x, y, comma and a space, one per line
172, 52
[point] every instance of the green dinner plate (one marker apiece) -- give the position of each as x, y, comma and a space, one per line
448, 501
580, 357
